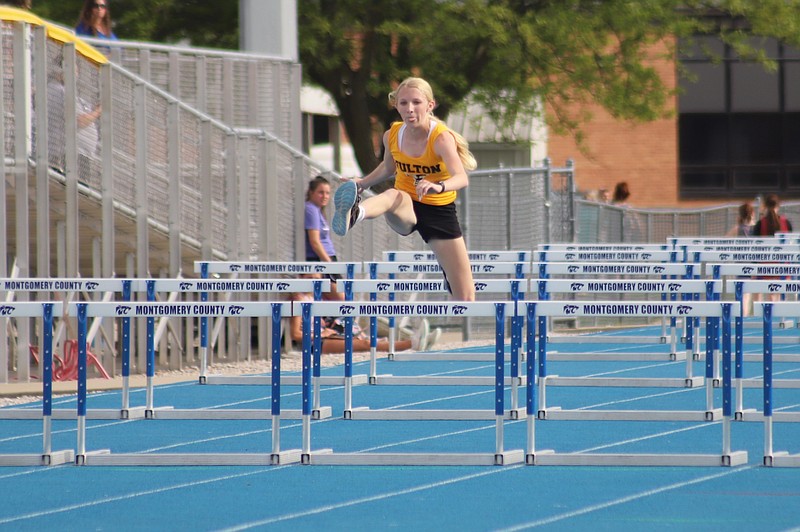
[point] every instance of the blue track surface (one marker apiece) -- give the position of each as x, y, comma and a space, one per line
292, 497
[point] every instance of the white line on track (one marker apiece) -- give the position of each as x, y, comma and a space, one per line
624, 500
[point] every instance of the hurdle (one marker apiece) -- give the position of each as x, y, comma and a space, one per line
241, 286
771, 286
235, 268
625, 309
517, 270
108, 287
721, 263
660, 271
500, 456
208, 310
673, 287
362, 308
516, 263
768, 311
47, 457
537, 311
508, 286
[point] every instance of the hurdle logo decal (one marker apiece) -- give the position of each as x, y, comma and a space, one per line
92, 285
185, 286
570, 309
480, 287
383, 287
235, 267
319, 269
282, 287
458, 310
404, 267
7, 310
576, 286
572, 269
419, 256
724, 256
684, 309
569, 256
487, 268
122, 310
646, 256
658, 269
346, 310
773, 287
674, 287
747, 270
493, 256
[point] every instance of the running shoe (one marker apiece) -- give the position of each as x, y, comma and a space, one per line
419, 342
433, 337
345, 202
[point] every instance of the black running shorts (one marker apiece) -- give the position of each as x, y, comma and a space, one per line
436, 221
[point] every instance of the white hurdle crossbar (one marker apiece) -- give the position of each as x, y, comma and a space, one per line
537, 310
769, 311
47, 457
236, 268
516, 263
148, 309
500, 456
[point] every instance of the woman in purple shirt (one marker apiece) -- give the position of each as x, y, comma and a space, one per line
319, 246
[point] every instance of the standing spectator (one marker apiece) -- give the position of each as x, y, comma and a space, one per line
631, 224
745, 221
21, 4
772, 222
621, 194
95, 20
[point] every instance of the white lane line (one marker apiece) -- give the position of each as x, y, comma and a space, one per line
364, 500
623, 500
89, 504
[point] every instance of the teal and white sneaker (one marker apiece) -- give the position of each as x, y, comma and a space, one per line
345, 202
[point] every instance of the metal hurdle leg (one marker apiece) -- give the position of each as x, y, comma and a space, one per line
278, 457
80, 455
500, 456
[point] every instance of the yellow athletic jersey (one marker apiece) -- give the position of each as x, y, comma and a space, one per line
428, 166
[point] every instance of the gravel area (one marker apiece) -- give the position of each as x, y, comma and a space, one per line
289, 362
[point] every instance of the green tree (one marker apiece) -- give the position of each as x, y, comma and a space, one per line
510, 53
200, 22
507, 54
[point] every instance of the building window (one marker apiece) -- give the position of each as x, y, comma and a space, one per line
739, 125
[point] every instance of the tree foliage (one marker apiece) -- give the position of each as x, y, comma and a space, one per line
507, 54
510, 53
